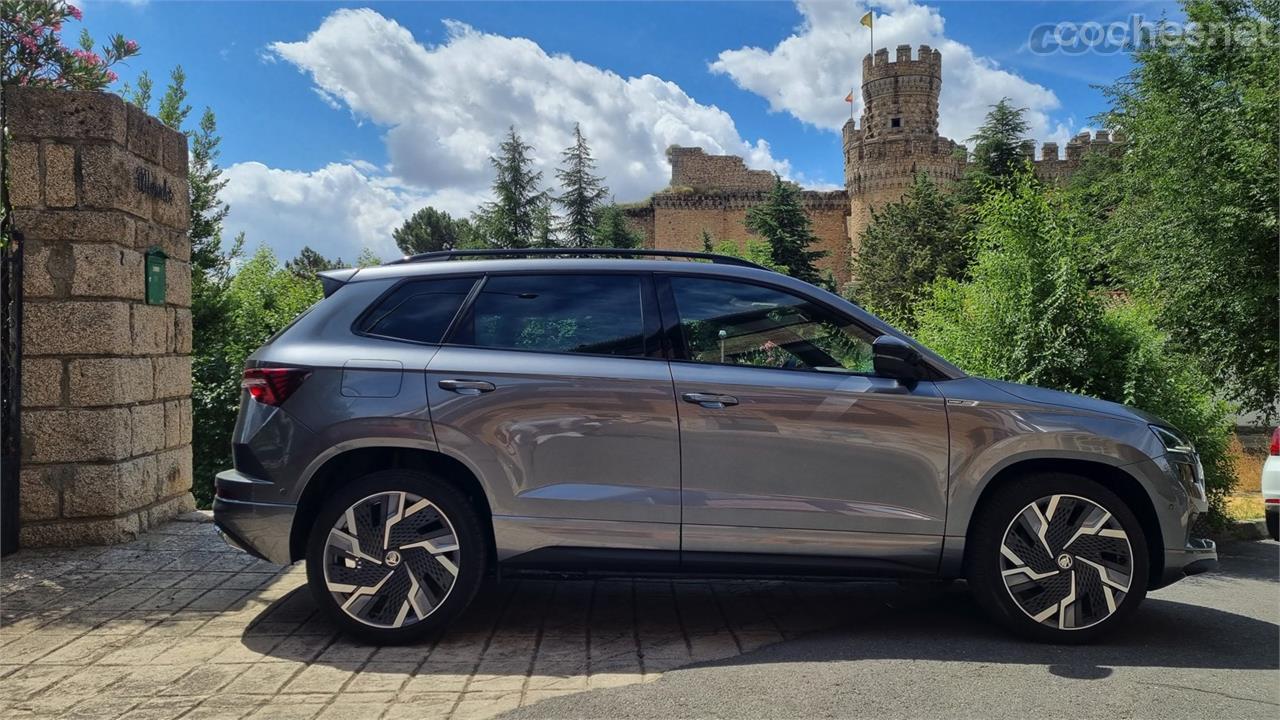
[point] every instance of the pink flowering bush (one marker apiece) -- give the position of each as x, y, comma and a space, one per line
32, 52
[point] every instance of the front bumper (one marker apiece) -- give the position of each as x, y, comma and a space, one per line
1197, 556
261, 529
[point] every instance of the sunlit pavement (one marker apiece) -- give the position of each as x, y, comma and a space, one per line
176, 624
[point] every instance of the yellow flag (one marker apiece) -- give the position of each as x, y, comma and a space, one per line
866, 20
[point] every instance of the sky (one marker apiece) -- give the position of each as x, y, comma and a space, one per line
339, 120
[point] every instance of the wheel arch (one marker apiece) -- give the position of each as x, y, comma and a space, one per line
359, 461
1116, 479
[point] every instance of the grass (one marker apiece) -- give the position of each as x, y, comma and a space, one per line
1245, 503
1244, 506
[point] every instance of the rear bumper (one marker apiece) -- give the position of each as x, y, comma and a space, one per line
1199, 555
261, 529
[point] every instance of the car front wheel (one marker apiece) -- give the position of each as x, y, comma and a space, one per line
1057, 558
395, 555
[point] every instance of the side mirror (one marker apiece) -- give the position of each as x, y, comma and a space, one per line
893, 357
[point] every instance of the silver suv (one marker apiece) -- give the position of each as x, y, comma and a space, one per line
445, 418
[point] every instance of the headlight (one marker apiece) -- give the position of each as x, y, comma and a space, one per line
1185, 460
1172, 440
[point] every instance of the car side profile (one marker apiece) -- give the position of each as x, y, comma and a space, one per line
456, 415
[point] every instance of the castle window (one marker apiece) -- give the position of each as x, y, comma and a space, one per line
896, 122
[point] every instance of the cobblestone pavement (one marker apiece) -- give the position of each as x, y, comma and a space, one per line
177, 624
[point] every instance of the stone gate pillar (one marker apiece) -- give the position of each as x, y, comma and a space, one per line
99, 189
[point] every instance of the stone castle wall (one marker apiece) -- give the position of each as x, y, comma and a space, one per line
692, 168
676, 221
106, 377
896, 139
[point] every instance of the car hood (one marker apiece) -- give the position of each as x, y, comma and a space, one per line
1045, 396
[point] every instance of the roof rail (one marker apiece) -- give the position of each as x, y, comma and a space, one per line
575, 252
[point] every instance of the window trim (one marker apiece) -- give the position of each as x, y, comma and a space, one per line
675, 335
651, 318
365, 314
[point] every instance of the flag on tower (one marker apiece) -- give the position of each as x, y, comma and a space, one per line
849, 98
866, 20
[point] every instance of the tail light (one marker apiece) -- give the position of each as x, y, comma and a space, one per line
1275, 442
272, 386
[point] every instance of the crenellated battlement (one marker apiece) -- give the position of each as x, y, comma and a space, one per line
927, 62
895, 140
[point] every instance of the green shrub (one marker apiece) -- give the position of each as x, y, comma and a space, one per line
1028, 315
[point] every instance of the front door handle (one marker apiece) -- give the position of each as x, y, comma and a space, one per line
710, 400
467, 387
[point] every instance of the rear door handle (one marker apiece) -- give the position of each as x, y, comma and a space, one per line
467, 387
710, 400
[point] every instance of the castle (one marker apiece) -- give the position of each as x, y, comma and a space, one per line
896, 138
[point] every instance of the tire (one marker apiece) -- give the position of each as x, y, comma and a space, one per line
1273, 522
1073, 583
395, 585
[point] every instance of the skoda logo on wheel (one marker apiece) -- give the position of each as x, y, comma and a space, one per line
1064, 561
393, 558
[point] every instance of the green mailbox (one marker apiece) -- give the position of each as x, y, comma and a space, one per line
154, 269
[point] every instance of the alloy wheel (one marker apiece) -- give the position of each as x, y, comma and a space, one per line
391, 559
1066, 562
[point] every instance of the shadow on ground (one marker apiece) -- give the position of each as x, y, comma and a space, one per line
664, 621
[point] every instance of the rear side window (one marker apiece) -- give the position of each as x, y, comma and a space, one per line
419, 310
591, 314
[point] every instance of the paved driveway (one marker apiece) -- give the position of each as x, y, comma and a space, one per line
177, 625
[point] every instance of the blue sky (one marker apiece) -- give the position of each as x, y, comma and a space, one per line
339, 119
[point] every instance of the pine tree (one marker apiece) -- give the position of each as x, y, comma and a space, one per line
613, 231
368, 258
544, 228
907, 246
430, 230
510, 220
309, 262
997, 151
172, 110
584, 192
708, 244
783, 222
207, 211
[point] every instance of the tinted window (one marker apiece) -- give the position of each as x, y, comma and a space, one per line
420, 310
723, 321
595, 314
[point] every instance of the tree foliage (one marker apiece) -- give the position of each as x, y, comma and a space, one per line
613, 230
432, 230
1194, 231
1027, 314
997, 145
583, 193
511, 219
907, 246
309, 261
782, 221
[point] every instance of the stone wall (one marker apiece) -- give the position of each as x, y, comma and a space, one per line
691, 168
106, 377
676, 221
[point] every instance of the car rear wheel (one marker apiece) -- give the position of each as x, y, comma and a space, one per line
1057, 558
395, 555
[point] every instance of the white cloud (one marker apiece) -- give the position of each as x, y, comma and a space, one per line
809, 73
447, 106
337, 210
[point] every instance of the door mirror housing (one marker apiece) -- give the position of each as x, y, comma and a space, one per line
893, 357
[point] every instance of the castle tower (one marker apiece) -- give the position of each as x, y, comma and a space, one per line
898, 133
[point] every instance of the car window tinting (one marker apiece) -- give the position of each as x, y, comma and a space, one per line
420, 310
592, 314
742, 324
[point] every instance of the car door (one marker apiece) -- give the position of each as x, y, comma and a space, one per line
554, 390
790, 446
